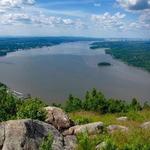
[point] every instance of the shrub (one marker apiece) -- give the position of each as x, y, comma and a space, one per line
47, 143
8, 104
96, 101
146, 106
32, 108
135, 105
73, 104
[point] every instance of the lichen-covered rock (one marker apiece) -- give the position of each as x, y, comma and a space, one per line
58, 118
122, 118
145, 125
114, 128
27, 134
70, 142
91, 128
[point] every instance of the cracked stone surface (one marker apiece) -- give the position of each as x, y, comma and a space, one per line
27, 134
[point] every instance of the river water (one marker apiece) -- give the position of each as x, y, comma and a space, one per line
52, 73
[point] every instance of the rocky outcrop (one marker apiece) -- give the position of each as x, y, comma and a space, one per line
58, 118
145, 125
27, 135
122, 118
91, 128
114, 128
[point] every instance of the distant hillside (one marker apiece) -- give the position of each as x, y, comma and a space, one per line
136, 53
13, 44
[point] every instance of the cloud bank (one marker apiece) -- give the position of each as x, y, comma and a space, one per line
135, 4
86, 17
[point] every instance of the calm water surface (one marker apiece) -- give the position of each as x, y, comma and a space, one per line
53, 72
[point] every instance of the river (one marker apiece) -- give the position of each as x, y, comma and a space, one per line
52, 73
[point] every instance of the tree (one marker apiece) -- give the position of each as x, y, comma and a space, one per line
8, 104
32, 108
146, 106
135, 105
73, 104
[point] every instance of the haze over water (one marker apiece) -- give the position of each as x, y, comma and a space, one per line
52, 73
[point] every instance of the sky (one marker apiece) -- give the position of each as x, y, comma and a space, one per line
88, 18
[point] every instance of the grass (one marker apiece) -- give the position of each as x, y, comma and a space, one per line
135, 118
93, 117
135, 139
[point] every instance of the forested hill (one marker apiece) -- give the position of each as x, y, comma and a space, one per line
13, 44
136, 53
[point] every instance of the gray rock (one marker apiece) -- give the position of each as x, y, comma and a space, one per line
70, 142
27, 135
91, 128
122, 118
114, 128
145, 125
58, 118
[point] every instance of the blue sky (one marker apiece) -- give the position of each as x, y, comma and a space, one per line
92, 18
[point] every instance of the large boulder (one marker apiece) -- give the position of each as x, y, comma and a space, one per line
27, 135
91, 128
146, 125
115, 128
58, 118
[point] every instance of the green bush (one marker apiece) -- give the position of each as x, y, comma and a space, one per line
96, 101
47, 143
8, 104
73, 104
146, 106
32, 108
135, 105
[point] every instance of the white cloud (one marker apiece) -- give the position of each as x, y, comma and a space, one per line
68, 21
107, 20
135, 4
39, 19
140, 7
145, 17
11, 5
15, 3
24, 12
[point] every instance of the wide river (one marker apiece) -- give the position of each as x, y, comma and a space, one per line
52, 73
